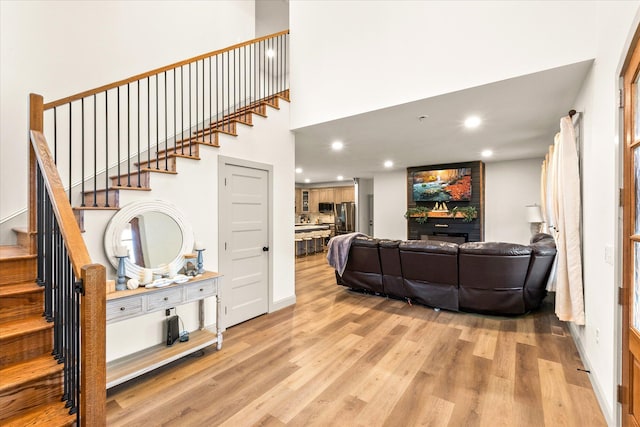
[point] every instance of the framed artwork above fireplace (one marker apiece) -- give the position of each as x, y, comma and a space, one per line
454, 185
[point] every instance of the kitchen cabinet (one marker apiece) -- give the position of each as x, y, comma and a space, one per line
307, 199
313, 200
298, 200
344, 194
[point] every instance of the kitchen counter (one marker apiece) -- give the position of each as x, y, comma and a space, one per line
310, 227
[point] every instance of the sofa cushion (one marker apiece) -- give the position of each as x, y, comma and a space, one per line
392, 281
363, 270
492, 276
430, 271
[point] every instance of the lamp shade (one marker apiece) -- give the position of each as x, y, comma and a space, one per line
533, 214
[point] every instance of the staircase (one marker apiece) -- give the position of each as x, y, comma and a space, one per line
30, 378
164, 160
32, 382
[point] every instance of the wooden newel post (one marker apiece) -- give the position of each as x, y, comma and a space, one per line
36, 122
93, 368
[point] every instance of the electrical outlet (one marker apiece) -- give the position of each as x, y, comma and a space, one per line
167, 312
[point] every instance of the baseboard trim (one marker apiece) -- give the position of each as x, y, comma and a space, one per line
279, 305
597, 389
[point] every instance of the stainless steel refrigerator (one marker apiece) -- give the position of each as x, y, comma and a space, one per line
344, 215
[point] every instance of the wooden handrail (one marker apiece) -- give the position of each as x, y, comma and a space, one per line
78, 253
93, 370
66, 100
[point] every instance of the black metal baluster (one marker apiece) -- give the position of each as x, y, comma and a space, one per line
148, 124
203, 99
82, 156
106, 145
210, 103
118, 139
70, 151
215, 125
175, 117
139, 137
228, 109
235, 85
128, 136
182, 104
95, 154
197, 127
190, 136
166, 141
39, 234
55, 135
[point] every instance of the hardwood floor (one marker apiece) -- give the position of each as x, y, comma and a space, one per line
343, 358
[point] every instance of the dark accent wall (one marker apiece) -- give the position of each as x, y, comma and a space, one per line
474, 230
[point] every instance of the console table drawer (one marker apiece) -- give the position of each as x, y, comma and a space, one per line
200, 290
124, 308
165, 299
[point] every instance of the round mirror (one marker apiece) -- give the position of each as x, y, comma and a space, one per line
153, 234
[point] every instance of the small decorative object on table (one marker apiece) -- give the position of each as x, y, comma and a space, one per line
121, 253
199, 248
189, 268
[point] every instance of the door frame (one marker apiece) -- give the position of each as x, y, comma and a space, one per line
223, 258
625, 219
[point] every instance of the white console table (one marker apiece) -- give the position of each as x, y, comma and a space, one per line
129, 304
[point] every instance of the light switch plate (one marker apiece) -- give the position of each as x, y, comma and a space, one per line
608, 254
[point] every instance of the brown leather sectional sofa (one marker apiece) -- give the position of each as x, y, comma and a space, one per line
485, 277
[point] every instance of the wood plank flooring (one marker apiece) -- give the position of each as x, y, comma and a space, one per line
341, 358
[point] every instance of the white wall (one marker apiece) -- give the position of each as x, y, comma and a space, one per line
509, 187
272, 16
598, 101
59, 48
375, 54
389, 205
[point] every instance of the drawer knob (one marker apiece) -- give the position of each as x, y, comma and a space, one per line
166, 298
201, 290
122, 308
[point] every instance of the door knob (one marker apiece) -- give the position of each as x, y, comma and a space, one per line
265, 249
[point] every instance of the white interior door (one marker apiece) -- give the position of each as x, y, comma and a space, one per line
244, 233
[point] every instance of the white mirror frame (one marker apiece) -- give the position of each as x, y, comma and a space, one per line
120, 221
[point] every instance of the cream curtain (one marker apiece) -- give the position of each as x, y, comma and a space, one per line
560, 193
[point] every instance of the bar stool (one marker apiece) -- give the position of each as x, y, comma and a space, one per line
308, 243
300, 245
317, 241
325, 239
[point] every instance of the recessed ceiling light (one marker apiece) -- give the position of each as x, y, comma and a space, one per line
270, 53
307, 180
486, 153
388, 164
298, 170
340, 177
472, 122
337, 145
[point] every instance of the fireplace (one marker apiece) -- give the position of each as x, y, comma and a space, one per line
446, 237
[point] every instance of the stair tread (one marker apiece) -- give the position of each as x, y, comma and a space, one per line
14, 251
95, 208
160, 171
18, 327
124, 174
37, 367
118, 187
20, 288
52, 414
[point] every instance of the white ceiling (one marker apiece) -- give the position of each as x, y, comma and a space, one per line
520, 118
